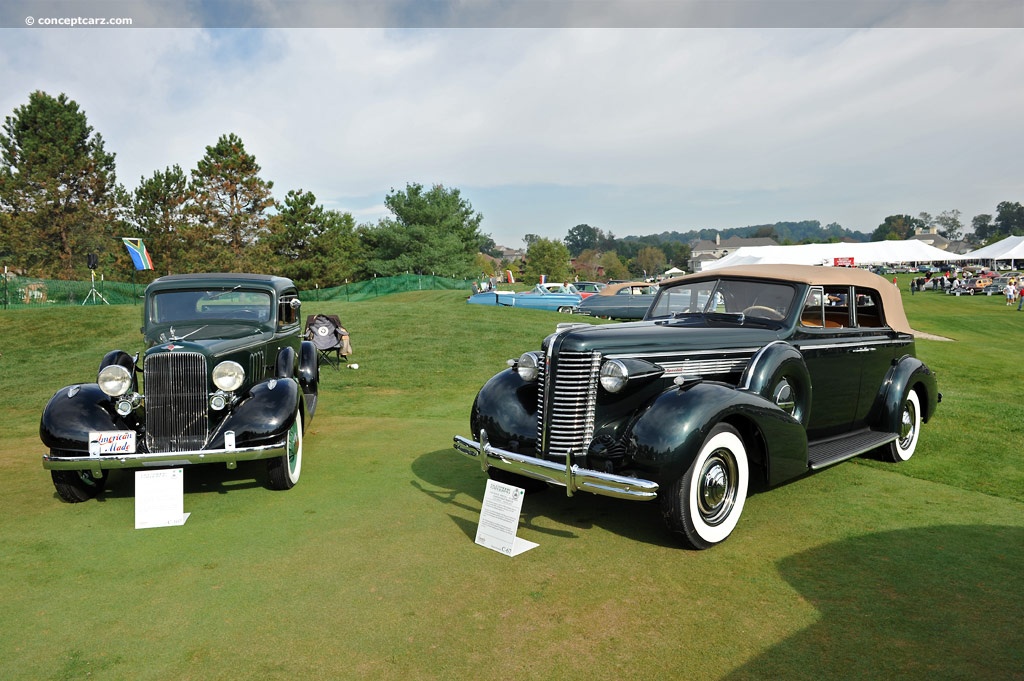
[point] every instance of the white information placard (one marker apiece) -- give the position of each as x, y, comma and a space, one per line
499, 519
159, 498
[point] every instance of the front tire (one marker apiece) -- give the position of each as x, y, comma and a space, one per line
703, 506
902, 448
284, 471
75, 487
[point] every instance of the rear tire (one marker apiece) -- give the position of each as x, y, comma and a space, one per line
902, 448
75, 487
703, 506
284, 471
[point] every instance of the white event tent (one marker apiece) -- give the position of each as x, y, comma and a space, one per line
1011, 248
870, 253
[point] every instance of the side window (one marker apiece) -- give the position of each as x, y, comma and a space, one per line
837, 306
813, 314
868, 308
288, 310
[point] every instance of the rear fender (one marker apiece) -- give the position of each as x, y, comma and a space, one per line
906, 373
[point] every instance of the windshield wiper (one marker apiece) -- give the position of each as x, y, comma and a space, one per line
215, 296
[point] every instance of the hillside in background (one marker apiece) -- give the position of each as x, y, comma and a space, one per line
805, 231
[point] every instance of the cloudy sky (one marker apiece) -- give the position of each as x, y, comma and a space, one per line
635, 118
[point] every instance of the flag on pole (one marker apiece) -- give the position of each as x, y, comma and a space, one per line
140, 256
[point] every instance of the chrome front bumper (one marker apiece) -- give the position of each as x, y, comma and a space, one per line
570, 476
162, 459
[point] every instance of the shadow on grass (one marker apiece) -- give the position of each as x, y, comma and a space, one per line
199, 479
457, 482
939, 602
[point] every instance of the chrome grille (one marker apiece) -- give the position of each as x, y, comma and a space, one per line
566, 407
176, 411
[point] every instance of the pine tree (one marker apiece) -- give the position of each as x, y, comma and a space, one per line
58, 189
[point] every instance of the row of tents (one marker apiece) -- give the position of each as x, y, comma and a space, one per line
870, 253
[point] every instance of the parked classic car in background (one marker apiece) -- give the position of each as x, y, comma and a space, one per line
625, 300
741, 375
225, 378
559, 297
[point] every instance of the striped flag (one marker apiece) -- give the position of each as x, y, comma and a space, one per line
140, 256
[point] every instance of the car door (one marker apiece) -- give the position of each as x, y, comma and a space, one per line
827, 342
877, 347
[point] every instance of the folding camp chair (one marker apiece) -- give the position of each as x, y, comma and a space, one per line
329, 337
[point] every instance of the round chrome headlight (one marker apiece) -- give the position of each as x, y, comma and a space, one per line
115, 380
228, 376
527, 366
614, 375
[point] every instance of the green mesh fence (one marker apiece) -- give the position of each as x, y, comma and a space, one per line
20, 292
382, 286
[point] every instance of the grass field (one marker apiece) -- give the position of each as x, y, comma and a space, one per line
367, 568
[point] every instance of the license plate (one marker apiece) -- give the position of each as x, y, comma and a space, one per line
112, 442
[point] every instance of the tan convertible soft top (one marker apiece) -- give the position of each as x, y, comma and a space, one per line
892, 303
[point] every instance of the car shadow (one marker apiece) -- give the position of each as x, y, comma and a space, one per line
202, 479
931, 602
453, 481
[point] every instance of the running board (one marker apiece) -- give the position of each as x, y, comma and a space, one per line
827, 452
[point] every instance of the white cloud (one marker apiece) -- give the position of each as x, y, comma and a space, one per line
744, 126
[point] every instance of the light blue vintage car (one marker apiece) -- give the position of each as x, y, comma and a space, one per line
558, 297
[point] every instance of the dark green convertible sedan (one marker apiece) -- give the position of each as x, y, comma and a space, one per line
736, 377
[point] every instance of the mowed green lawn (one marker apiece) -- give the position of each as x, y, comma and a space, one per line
367, 568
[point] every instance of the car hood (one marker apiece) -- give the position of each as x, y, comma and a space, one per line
699, 332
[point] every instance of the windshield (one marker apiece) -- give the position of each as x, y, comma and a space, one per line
234, 305
765, 300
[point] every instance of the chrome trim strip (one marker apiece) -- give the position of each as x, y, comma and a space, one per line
567, 475
852, 343
140, 460
688, 353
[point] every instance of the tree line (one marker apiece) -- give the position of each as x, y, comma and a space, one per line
60, 201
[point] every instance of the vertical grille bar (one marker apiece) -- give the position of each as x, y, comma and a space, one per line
566, 412
176, 410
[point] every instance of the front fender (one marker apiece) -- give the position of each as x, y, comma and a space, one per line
667, 437
264, 416
74, 411
506, 407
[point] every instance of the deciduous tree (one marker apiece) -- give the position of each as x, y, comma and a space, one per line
549, 258
1009, 219
649, 261
896, 228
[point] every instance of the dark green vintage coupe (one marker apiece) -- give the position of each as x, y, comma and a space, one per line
225, 377
739, 376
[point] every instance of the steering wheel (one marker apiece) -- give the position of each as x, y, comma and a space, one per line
763, 311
